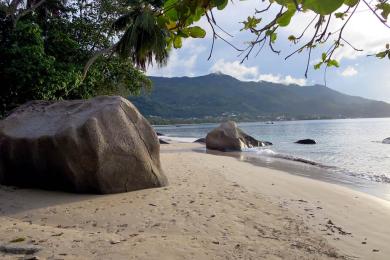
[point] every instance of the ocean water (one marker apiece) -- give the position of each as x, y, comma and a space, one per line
348, 151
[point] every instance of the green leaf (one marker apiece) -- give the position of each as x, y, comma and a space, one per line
196, 32
220, 4
340, 15
170, 10
323, 7
385, 7
199, 12
333, 63
292, 38
177, 42
251, 22
351, 3
183, 33
273, 37
285, 18
381, 54
324, 56
162, 21
317, 66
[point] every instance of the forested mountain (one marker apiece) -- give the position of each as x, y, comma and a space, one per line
218, 96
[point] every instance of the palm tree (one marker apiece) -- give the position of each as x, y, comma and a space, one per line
143, 40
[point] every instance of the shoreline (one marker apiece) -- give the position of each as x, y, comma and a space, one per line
317, 172
215, 207
295, 166
256, 121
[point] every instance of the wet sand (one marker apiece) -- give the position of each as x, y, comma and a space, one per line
216, 207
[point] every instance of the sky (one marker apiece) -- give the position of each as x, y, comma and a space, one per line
358, 74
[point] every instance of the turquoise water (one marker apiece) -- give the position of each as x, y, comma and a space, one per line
350, 150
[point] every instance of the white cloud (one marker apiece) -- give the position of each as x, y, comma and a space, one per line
287, 80
180, 62
246, 73
235, 69
349, 72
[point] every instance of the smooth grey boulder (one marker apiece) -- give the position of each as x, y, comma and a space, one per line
306, 141
228, 137
101, 145
386, 141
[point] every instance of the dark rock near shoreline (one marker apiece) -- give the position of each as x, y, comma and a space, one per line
200, 140
386, 141
162, 141
101, 145
159, 134
228, 137
306, 141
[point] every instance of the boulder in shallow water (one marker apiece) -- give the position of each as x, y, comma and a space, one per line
228, 137
306, 141
101, 145
386, 141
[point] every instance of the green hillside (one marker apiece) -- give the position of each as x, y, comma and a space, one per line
216, 97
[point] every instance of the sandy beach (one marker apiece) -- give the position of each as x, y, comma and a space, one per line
215, 207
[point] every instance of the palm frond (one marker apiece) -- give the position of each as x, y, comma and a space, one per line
144, 41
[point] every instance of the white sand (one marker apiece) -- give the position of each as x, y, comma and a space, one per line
215, 207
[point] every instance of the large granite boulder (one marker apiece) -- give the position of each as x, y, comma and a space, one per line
101, 145
228, 137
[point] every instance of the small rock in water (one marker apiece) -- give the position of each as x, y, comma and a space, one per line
306, 141
386, 141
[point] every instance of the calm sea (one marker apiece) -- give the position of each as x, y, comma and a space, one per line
348, 151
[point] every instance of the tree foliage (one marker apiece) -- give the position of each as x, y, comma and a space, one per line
43, 52
158, 23
181, 14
